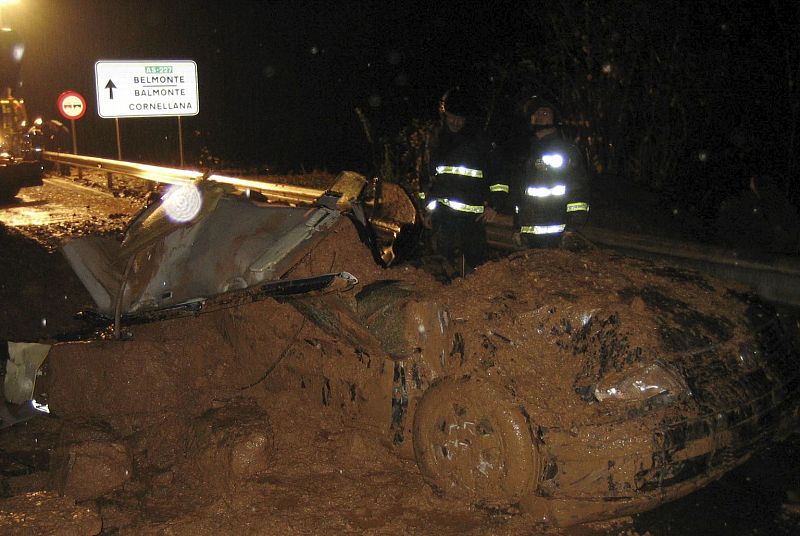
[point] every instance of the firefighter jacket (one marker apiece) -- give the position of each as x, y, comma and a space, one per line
459, 176
553, 188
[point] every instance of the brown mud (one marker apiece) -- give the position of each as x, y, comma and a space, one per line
297, 416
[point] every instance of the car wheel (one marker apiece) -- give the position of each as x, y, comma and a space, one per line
8, 193
470, 441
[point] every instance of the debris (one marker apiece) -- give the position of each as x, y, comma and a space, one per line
90, 469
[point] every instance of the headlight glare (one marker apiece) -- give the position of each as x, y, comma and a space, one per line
553, 160
544, 191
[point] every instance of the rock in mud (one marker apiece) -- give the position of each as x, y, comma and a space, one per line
233, 443
90, 469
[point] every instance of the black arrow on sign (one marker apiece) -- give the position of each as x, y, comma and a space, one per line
111, 87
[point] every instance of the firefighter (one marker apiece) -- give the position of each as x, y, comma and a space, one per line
552, 192
456, 189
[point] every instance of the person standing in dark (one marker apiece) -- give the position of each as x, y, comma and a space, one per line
457, 184
552, 188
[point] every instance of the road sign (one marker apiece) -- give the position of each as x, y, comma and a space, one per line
146, 88
71, 104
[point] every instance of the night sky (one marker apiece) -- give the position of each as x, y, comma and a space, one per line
278, 81
690, 97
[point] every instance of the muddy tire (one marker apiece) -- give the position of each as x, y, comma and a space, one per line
470, 441
8, 193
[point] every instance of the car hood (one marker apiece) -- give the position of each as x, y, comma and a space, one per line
572, 334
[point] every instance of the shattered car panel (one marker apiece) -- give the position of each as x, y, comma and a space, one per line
233, 243
238, 245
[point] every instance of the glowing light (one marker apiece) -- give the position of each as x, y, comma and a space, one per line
42, 408
182, 202
544, 191
17, 52
554, 160
432, 205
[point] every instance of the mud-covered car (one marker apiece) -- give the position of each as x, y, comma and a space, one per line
19, 167
577, 385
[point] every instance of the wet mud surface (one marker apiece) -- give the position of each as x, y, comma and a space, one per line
297, 416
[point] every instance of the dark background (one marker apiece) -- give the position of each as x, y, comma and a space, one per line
279, 81
688, 99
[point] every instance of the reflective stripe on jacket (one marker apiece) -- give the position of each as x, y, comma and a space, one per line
461, 207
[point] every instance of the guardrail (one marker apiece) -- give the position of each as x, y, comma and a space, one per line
773, 277
274, 191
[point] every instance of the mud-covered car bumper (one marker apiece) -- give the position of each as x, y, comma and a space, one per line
628, 466
21, 174
677, 460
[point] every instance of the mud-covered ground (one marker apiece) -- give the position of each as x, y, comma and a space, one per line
215, 425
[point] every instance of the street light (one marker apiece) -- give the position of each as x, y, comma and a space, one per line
4, 3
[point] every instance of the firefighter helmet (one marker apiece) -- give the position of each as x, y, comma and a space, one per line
536, 102
459, 101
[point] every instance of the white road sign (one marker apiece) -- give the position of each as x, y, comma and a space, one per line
146, 88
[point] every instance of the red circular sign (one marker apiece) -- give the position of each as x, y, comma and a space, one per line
71, 104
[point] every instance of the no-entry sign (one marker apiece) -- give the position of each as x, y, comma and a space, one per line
71, 104
146, 88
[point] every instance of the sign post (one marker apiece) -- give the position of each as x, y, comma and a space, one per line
119, 143
180, 138
147, 88
72, 106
